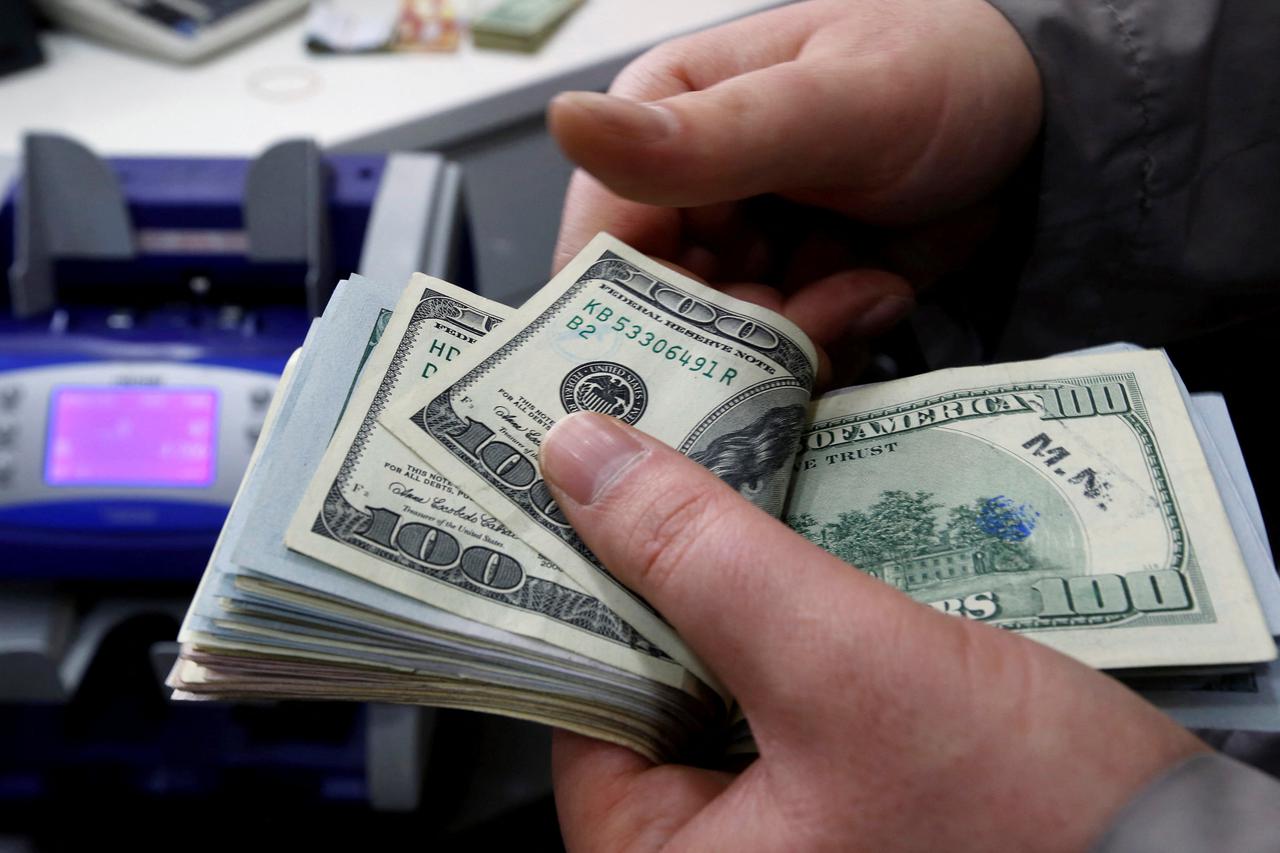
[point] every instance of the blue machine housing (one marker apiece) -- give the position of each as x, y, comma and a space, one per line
190, 296
173, 279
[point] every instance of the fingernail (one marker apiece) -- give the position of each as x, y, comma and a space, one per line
585, 453
639, 122
882, 315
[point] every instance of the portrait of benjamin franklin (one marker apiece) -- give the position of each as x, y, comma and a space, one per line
753, 459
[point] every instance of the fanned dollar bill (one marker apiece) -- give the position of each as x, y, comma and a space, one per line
615, 332
374, 509
1066, 499
271, 622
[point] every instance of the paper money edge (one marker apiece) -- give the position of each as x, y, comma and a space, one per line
1234, 640
304, 537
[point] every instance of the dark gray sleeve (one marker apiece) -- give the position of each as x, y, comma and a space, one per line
1159, 200
1209, 802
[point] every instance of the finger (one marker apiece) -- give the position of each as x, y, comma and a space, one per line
755, 132
746, 592
847, 364
681, 269
592, 781
839, 313
929, 251
610, 798
769, 297
722, 52
714, 234
590, 775
721, 144
590, 208
858, 304
581, 121
757, 294
702, 59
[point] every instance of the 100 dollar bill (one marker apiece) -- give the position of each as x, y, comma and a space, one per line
376, 510
1067, 499
719, 379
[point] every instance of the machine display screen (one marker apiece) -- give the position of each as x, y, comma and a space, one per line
131, 436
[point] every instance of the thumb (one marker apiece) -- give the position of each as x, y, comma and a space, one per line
890, 112
742, 589
788, 126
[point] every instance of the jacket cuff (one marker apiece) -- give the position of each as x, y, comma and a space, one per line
1209, 802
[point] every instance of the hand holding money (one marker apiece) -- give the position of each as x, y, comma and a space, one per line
879, 719
419, 552
434, 524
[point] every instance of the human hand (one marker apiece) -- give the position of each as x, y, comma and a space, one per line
882, 724
761, 139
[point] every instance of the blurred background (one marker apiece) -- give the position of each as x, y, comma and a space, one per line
181, 184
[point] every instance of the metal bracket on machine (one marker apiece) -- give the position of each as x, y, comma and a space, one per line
416, 221
286, 214
69, 205
397, 748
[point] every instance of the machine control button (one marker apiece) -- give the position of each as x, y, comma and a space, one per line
252, 432
9, 397
6, 470
8, 434
260, 397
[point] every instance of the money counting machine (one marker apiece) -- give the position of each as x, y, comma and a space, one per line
147, 307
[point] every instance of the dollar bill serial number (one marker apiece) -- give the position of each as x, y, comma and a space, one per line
601, 317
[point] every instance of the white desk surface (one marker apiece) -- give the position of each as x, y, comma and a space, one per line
271, 89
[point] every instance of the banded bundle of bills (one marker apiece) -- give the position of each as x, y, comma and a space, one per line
522, 25
393, 539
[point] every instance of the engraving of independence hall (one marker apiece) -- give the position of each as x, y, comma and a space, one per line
898, 539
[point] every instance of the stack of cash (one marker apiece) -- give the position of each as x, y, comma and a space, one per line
522, 25
393, 540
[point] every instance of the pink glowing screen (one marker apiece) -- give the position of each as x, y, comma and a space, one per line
131, 436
